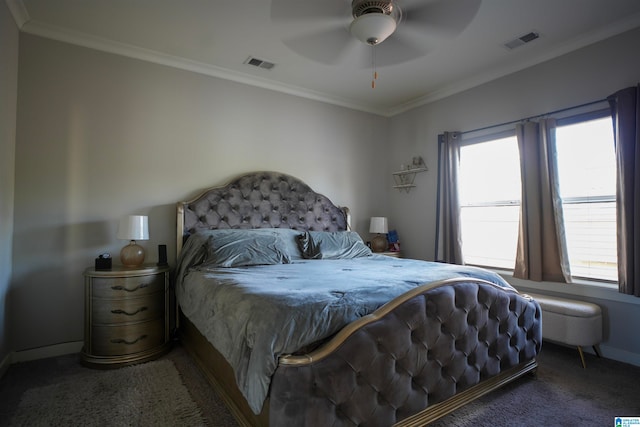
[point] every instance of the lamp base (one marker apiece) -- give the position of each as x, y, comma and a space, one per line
379, 243
132, 255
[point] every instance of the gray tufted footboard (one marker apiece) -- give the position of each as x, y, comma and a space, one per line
425, 353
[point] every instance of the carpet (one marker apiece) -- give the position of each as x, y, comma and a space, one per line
149, 394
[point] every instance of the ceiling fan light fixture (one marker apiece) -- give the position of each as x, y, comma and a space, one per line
373, 28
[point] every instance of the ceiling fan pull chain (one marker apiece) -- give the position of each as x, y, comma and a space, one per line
373, 66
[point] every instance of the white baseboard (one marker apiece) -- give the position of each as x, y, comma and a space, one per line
47, 351
620, 355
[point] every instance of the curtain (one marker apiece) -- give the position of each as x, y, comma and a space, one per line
448, 232
541, 251
625, 111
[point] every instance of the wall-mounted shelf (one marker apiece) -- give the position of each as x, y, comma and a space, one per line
404, 178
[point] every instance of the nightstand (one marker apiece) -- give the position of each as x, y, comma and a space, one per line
395, 254
126, 315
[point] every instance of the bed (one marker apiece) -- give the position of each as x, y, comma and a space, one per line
295, 322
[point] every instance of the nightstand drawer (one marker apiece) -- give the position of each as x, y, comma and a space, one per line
128, 310
119, 287
121, 340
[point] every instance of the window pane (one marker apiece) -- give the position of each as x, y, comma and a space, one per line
586, 169
490, 235
586, 159
489, 189
489, 171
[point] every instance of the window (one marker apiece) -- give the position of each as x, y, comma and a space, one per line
587, 177
489, 192
489, 187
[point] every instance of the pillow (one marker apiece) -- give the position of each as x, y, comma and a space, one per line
290, 239
240, 247
308, 247
340, 244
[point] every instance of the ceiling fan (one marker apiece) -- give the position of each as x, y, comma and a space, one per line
343, 31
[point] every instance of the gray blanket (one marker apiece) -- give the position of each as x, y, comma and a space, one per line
253, 315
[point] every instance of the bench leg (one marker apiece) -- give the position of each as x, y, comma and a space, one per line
596, 348
584, 365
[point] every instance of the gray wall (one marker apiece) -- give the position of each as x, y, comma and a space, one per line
586, 75
8, 97
100, 136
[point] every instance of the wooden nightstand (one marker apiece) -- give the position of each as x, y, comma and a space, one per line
126, 315
392, 254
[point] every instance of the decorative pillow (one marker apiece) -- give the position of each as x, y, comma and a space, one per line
239, 247
340, 244
308, 247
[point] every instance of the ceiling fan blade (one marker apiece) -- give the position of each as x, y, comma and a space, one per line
329, 12
440, 19
397, 49
328, 47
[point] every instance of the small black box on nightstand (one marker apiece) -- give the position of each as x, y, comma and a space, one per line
103, 262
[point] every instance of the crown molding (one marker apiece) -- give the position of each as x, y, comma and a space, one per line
131, 51
627, 24
27, 25
18, 12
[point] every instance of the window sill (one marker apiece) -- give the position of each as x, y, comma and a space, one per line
579, 288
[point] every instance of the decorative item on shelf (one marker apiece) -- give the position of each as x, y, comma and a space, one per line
132, 228
407, 174
379, 227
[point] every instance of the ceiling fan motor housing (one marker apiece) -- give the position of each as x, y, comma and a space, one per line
362, 7
374, 20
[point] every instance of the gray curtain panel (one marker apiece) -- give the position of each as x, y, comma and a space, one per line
541, 251
625, 111
448, 239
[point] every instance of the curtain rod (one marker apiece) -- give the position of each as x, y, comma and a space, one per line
536, 116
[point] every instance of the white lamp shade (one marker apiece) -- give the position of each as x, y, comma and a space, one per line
378, 224
373, 28
134, 227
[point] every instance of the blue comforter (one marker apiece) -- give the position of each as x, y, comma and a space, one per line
253, 315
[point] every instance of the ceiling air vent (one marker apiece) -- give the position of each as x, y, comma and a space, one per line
259, 63
522, 40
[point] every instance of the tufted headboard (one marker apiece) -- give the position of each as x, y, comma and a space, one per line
260, 200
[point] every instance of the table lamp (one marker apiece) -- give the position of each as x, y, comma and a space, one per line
379, 226
132, 228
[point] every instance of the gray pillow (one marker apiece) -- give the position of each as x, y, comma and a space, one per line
340, 244
240, 247
308, 247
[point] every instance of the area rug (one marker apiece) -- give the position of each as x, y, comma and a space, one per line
141, 395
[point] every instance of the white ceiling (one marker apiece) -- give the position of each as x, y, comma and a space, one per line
216, 37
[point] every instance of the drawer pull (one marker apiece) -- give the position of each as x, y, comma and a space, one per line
123, 341
122, 288
141, 309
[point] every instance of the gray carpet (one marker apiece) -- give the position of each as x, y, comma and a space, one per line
562, 394
23, 377
145, 394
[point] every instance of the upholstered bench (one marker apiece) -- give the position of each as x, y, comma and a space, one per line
571, 322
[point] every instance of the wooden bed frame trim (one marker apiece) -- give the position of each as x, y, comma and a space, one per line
439, 410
